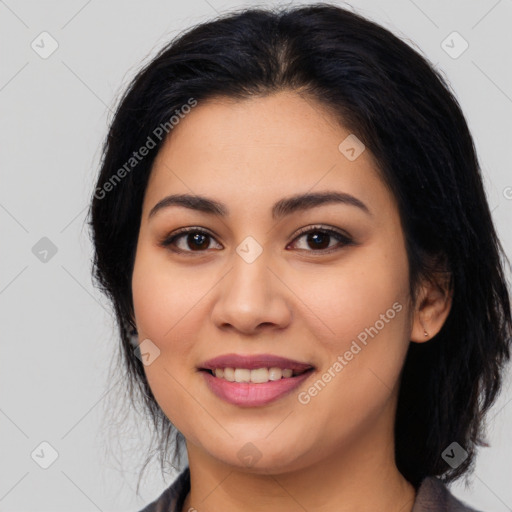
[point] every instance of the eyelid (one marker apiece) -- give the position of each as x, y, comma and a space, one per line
343, 237
322, 227
168, 239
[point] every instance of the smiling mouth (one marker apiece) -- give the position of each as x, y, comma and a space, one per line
255, 376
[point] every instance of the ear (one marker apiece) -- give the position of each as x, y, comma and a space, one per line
433, 304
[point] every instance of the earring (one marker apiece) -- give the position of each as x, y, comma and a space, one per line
425, 332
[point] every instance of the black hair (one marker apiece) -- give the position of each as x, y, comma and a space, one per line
402, 109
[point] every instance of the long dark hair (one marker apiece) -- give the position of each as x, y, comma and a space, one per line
402, 109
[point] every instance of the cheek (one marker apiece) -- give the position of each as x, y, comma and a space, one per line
164, 312
163, 301
361, 324
368, 288
361, 327
164, 296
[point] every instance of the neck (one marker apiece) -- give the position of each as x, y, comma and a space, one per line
361, 475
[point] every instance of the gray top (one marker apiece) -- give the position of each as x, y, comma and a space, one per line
432, 496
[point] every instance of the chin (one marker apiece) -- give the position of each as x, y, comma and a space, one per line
261, 457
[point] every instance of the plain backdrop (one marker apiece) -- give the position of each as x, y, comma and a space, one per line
57, 330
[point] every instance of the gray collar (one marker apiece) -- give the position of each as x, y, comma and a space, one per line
432, 496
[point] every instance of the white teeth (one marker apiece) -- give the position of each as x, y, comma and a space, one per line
242, 375
257, 376
275, 373
229, 374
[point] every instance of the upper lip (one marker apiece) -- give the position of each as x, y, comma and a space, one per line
252, 362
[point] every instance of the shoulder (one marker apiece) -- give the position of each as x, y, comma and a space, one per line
171, 500
434, 495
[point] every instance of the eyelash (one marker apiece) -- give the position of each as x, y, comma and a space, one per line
345, 240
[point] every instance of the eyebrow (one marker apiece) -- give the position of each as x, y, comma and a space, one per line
281, 208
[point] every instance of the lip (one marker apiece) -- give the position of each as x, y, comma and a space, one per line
248, 394
252, 362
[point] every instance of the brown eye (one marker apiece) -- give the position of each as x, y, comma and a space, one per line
197, 241
316, 239
188, 240
320, 240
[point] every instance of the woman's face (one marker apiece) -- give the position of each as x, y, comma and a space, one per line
252, 282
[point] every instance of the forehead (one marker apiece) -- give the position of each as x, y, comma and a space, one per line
261, 147
280, 123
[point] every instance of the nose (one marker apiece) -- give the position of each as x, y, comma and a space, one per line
252, 297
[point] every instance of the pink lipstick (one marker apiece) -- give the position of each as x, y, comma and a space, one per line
253, 380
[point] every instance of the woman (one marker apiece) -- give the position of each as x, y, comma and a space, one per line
291, 225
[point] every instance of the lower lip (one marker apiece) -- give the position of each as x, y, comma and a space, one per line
247, 394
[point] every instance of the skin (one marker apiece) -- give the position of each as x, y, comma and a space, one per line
335, 453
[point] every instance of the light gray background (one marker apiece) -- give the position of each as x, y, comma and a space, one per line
56, 329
